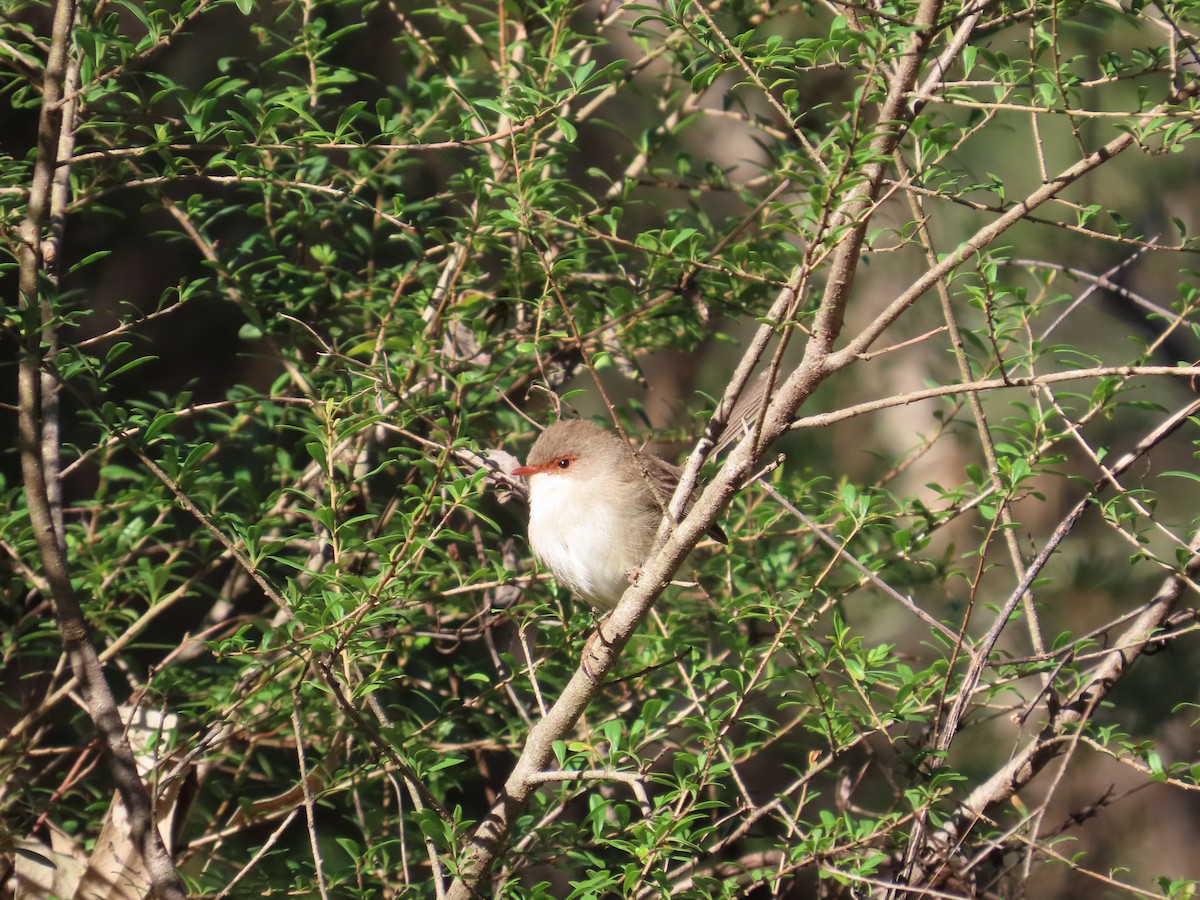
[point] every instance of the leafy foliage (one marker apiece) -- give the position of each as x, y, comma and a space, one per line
304, 265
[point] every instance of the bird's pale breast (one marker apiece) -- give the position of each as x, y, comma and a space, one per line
586, 537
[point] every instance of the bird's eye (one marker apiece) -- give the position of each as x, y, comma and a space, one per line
563, 462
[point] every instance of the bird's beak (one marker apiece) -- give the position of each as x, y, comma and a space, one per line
525, 470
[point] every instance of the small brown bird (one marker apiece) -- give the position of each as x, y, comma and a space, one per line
595, 505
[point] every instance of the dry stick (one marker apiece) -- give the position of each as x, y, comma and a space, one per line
821, 420
85, 663
416, 146
1103, 281
258, 854
487, 841
306, 787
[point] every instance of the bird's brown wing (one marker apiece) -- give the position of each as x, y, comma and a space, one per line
665, 478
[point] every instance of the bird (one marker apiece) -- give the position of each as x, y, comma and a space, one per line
595, 506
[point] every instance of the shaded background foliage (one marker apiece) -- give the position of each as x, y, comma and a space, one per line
317, 258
